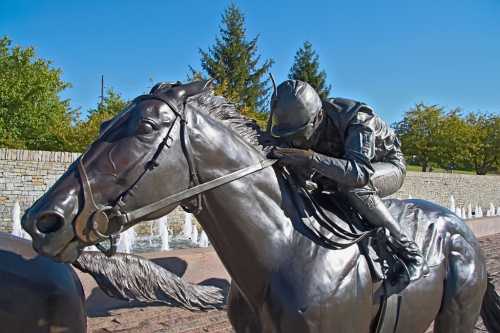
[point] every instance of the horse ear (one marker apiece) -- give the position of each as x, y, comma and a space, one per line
180, 92
164, 86
191, 89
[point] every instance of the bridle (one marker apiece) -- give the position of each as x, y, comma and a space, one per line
94, 216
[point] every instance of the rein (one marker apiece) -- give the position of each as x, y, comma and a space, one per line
139, 213
92, 217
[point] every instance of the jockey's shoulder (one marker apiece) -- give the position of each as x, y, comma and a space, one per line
348, 110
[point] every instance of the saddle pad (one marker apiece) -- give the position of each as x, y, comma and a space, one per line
335, 224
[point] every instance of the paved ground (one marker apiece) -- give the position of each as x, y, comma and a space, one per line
491, 248
110, 316
194, 265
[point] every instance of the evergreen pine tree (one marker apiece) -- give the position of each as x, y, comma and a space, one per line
234, 64
306, 68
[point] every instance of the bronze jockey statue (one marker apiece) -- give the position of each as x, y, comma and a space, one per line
352, 148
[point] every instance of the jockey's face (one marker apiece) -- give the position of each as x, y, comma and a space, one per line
306, 139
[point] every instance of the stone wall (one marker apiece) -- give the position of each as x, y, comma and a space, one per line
25, 175
466, 189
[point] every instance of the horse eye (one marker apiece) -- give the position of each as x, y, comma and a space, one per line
145, 128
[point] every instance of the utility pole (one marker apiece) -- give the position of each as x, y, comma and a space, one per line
101, 103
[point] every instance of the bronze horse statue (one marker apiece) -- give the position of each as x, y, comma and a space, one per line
181, 145
41, 295
38, 294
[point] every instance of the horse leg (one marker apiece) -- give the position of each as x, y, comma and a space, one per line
240, 313
464, 288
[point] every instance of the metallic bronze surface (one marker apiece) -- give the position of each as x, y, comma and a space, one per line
283, 280
37, 295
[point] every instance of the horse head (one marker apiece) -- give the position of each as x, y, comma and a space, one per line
119, 172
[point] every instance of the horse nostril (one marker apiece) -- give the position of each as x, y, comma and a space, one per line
49, 222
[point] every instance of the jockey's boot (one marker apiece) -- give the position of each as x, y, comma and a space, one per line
372, 208
411, 255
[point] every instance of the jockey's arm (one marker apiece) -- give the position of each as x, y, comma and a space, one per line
354, 169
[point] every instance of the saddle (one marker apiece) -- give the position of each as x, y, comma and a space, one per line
332, 222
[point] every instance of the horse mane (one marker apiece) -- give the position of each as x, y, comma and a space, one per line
201, 96
226, 112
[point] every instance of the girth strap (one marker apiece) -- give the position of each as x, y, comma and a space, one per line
389, 313
139, 213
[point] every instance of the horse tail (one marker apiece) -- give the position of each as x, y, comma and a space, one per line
490, 310
133, 278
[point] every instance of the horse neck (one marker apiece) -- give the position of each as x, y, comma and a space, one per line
243, 219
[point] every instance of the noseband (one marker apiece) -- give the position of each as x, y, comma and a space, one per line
94, 217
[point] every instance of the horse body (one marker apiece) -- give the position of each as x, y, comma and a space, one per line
293, 282
283, 280
313, 289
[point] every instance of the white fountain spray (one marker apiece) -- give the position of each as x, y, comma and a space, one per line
452, 203
479, 211
163, 225
469, 211
458, 212
127, 240
17, 230
187, 228
203, 239
492, 209
194, 235
464, 214
498, 211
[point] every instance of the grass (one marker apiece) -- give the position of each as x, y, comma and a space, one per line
418, 168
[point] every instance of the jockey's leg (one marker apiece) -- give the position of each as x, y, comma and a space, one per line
386, 180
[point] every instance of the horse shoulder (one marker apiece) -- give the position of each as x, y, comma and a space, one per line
315, 282
311, 274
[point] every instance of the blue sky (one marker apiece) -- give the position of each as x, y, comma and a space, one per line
390, 54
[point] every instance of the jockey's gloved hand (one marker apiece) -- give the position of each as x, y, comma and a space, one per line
292, 156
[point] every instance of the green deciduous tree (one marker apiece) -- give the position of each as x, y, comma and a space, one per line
306, 68
235, 65
419, 133
32, 115
451, 138
483, 142
429, 136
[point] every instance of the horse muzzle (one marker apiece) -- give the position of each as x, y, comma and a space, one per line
51, 232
